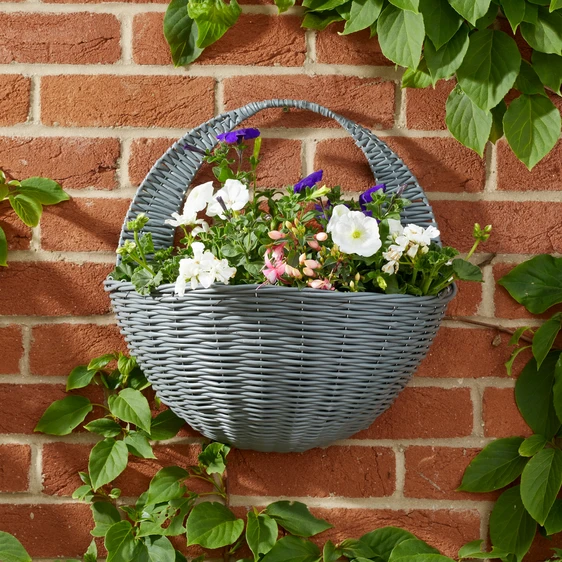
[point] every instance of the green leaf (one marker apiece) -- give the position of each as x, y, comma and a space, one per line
489, 68
401, 35
553, 523
212, 525
532, 445
144, 281
131, 406
79, 377
4, 189
409, 548
155, 549
108, 459
512, 529
514, 355
99, 363
293, 549
419, 78
356, 549
535, 283
498, 112
471, 10
182, 507
441, 21
544, 337
514, 11
540, 483
261, 533
284, 5
105, 515
62, 416
528, 81
120, 543
46, 191
546, 34
471, 126
91, 555
383, 541
11, 550
138, 445
555, 5
323, 5
412, 5
296, 518
165, 426
549, 69
167, 484
27, 209
320, 21
557, 390
534, 396
213, 18
488, 18
3, 248
362, 15
532, 127
213, 458
474, 550
331, 553
181, 33
496, 466
443, 63
104, 426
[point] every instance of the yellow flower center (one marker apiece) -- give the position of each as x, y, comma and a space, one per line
356, 234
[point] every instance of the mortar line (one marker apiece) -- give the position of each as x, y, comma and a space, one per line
477, 414
487, 307
99, 320
310, 43
35, 100
126, 40
26, 342
219, 96
400, 471
401, 102
36, 469
491, 168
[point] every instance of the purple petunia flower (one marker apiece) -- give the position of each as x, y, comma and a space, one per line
309, 181
239, 135
367, 197
322, 208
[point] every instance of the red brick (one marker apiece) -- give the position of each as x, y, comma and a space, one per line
488, 350
518, 227
53, 289
357, 48
49, 531
297, 474
436, 473
425, 107
277, 42
21, 405
73, 162
513, 175
15, 462
81, 38
368, 101
280, 161
82, 342
441, 164
17, 233
500, 414
82, 225
14, 99
427, 412
12, 349
127, 101
541, 549
467, 300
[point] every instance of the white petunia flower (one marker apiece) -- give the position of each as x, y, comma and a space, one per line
395, 228
196, 201
338, 212
420, 235
356, 233
234, 195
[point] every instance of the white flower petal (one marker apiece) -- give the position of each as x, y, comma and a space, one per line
198, 198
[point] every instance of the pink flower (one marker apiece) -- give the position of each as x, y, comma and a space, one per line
321, 284
274, 263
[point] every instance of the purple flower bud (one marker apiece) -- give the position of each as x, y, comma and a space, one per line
239, 135
367, 196
309, 181
192, 148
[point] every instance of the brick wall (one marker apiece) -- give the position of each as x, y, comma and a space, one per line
88, 96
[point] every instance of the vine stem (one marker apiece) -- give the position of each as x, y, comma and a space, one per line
510, 331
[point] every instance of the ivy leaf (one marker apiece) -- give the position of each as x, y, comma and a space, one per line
535, 283
296, 518
383, 541
213, 18
167, 484
555, 5
363, 14
62, 416
474, 550
471, 126
27, 209
444, 62
99, 363
79, 377
119, 542
323, 5
532, 127
540, 483
488, 18
181, 33
546, 34
212, 525
155, 549
496, 133
331, 553
514, 354
131, 406
401, 34
293, 549
557, 390
419, 78
3, 248
104, 426
411, 5
138, 445
91, 555
534, 396
512, 529
528, 81
105, 515
410, 548
532, 445
11, 550
471, 10
549, 69
46, 191
514, 11
213, 458
320, 21
261, 533
496, 466
284, 5
544, 337
489, 68
441, 21
553, 523
108, 459
165, 425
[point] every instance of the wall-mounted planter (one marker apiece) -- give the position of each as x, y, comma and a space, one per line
273, 368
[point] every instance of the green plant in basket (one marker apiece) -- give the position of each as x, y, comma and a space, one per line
305, 236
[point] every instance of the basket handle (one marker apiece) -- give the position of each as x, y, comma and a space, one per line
163, 190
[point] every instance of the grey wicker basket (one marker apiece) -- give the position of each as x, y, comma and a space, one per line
273, 368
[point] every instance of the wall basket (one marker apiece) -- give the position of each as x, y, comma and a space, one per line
273, 368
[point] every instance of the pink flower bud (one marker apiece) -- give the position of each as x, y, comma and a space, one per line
292, 272
275, 235
302, 258
313, 244
309, 272
321, 236
313, 264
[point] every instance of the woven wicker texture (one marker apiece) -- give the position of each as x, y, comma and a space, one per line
273, 368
